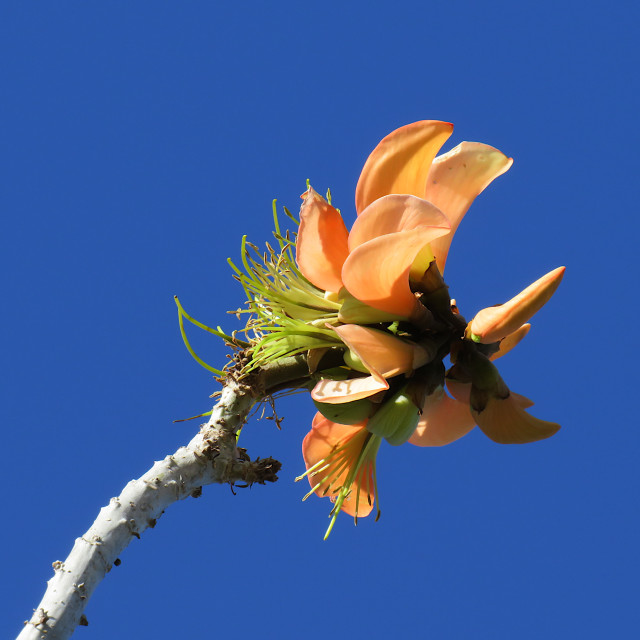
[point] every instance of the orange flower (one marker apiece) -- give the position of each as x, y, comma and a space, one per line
499, 412
374, 260
494, 323
408, 207
380, 354
377, 294
340, 461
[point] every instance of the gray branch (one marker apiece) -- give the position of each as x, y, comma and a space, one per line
211, 456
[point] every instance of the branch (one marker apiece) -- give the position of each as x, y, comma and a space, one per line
211, 456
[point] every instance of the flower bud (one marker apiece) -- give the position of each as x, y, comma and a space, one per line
347, 413
396, 419
352, 361
494, 323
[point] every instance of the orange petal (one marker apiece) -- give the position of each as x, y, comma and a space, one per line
454, 181
324, 439
443, 421
522, 401
400, 163
322, 243
394, 213
340, 391
506, 422
382, 352
377, 272
461, 391
506, 344
493, 323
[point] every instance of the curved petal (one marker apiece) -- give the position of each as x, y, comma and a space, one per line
340, 446
493, 323
443, 421
394, 213
510, 341
382, 352
400, 163
454, 181
522, 401
322, 243
461, 391
377, 272
341, 391
505, 421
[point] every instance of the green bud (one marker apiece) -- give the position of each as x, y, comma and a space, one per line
353, 362
346, 413
396, 419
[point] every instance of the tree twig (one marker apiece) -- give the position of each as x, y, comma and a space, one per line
210, 457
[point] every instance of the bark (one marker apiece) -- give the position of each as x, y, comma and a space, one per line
211, 456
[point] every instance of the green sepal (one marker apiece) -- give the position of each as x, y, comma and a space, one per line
396, 419
346, 413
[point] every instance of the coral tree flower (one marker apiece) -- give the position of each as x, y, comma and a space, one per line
395, 321
374, 260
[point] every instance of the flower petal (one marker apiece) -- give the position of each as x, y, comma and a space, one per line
322, 243
394, 213
493, 323
400, 163
324, 439
382, 352
443, 421
510, 341
505, 421
460, 391
340, 391
522, 401
377, 272
454, 181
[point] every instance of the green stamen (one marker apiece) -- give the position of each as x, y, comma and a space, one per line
201, 362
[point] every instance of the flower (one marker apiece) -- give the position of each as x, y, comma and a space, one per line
375, 297
373, 261
409, 204
340, 463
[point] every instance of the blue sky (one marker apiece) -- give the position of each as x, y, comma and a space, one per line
141, 140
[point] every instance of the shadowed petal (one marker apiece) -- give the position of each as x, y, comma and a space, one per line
377, 272
393, 213
493, 323
461, 391
340, 446
400, 163
506, 344
340, 391
443, 421
506, 422
382, 352
522, 401
454, 181
321, 246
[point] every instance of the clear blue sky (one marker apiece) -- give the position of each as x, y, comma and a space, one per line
140, 140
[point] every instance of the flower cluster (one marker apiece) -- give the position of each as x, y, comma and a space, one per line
376, 296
